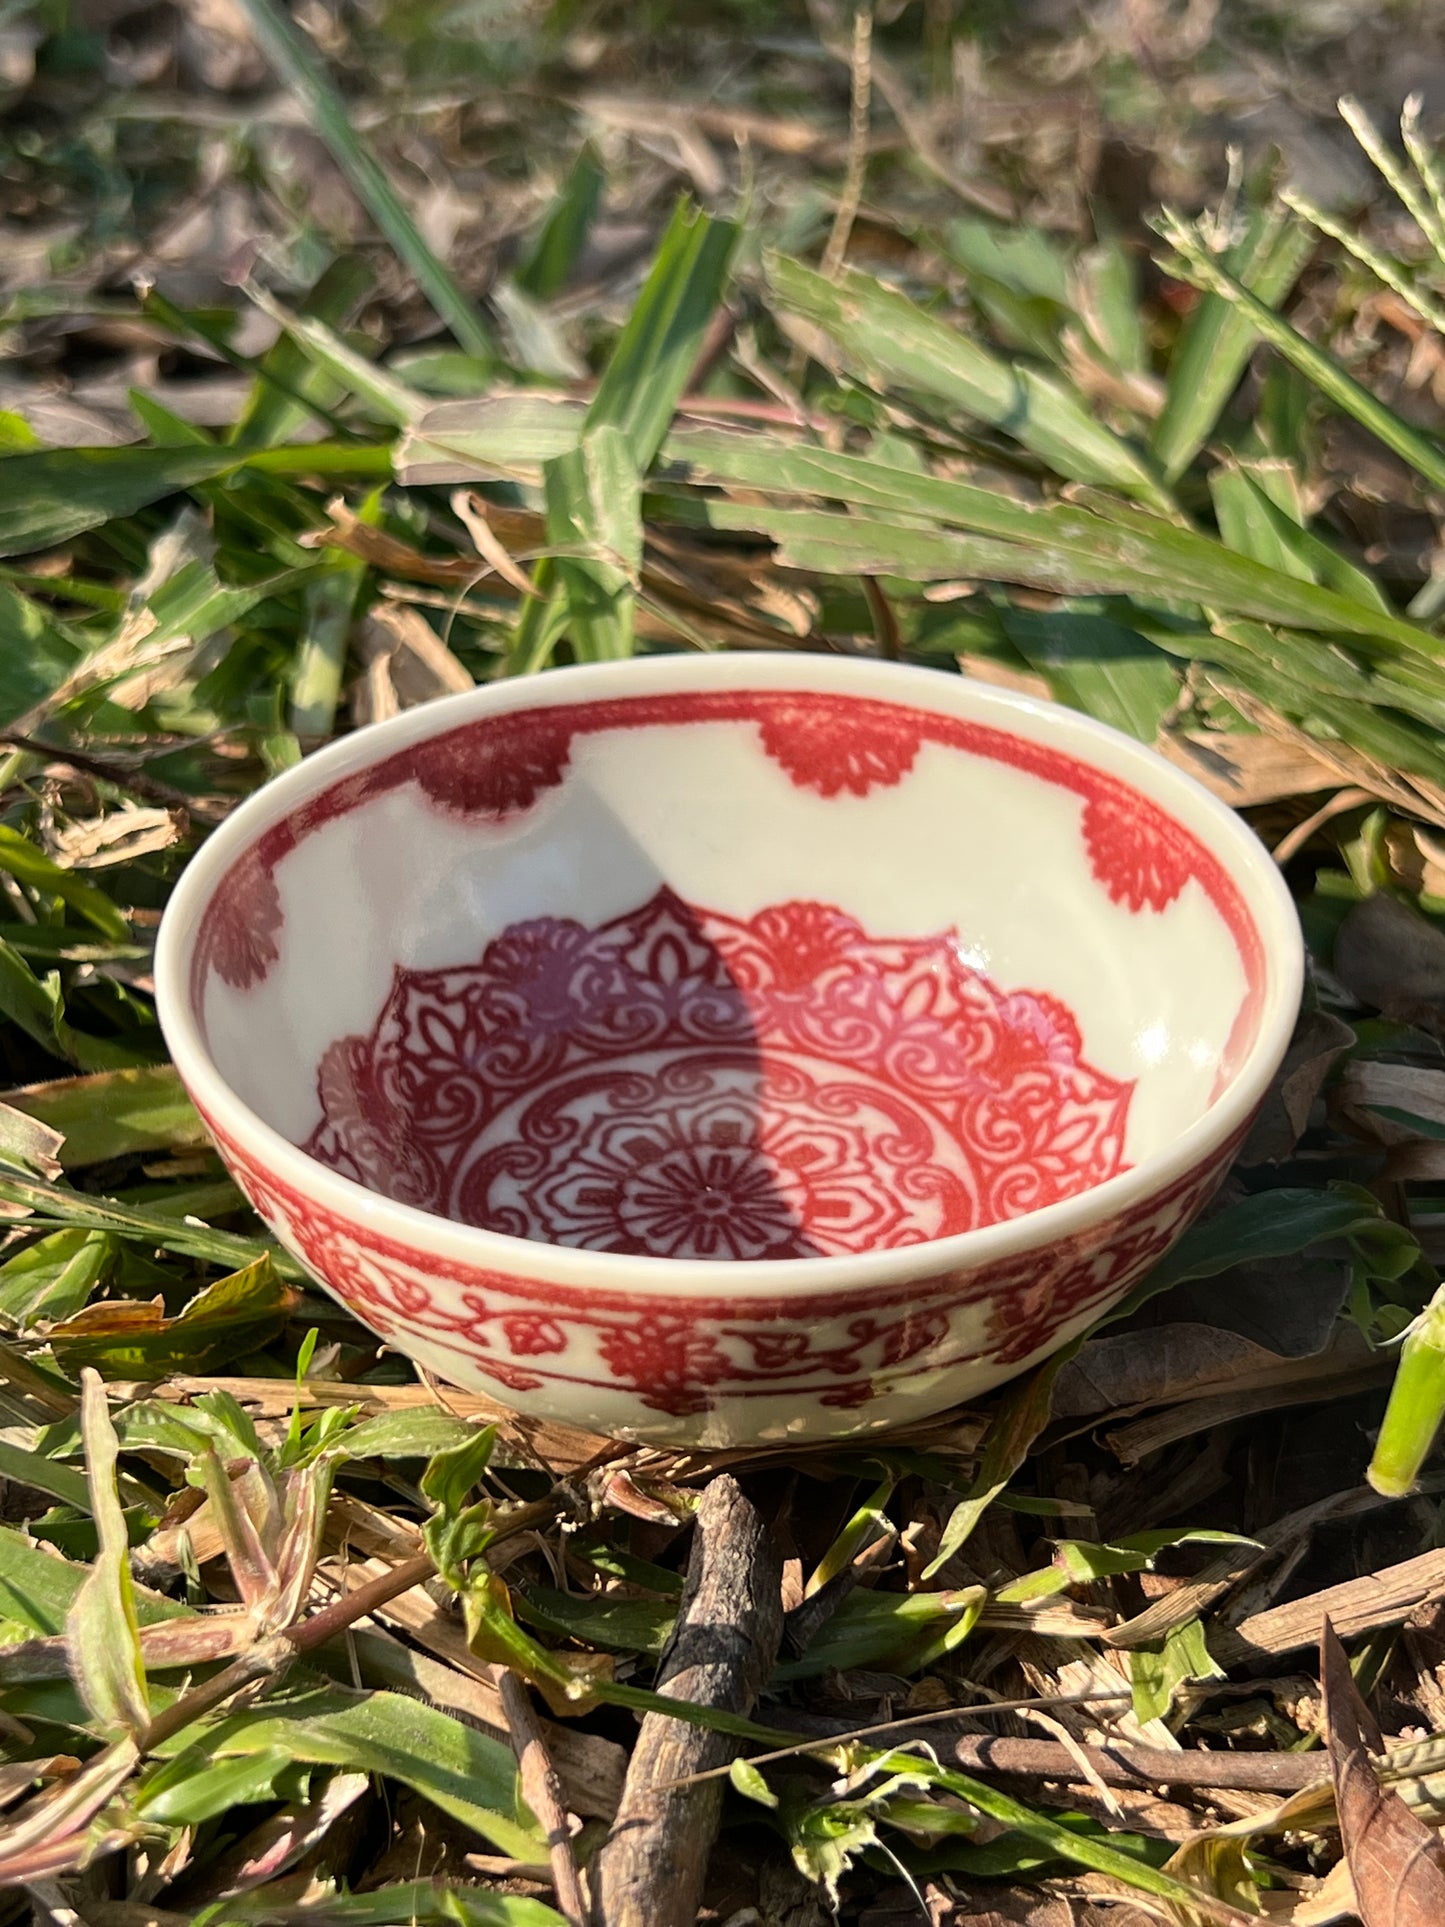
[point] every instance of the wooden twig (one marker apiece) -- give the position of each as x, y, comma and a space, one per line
543, 1795
1140, 1766
1357, 1606
649, 1871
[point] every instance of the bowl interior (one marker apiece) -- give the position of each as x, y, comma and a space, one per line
733, 973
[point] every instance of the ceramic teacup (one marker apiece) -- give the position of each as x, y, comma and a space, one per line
717, 1049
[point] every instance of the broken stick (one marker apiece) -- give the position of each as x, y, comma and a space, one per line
649, 1871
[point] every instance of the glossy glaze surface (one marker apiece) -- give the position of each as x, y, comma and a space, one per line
714, 1047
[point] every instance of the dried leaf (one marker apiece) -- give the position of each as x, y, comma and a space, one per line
1245, 769
1396, 1862
1320, 1040
1389, 956
125, 1339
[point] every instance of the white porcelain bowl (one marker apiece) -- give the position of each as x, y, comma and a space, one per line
721, 1048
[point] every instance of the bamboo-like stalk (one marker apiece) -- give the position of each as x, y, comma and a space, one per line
1417, 1404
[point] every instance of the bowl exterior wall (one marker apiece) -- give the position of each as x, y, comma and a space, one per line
696, 1370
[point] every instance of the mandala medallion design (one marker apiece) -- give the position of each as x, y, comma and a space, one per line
683, 1084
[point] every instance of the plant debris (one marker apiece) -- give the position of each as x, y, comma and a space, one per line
353, 359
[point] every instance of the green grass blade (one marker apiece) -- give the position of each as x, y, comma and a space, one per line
549, 261
593, 496
1098, 665
658, 348
102, 1631
1176, 560
298, 65
53, 1206
1198, 265
1251, 521
1159, 560
20, 859
1218, 338
468, 1774
56, 493
500, 438
893, 342
1106, 291
1061, 1841
290, 386
330, 605
386, 397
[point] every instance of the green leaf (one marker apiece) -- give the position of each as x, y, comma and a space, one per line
115, 1113
16, 434
43, 1474
57, 493
500, 437
1198, 265
457, 1532
411, 1902
648, 370
1272, 1224
893, 342
1098, 665
386, 397
1078, 1562
593, 496
1156, 1673
164, 427
467, 1774
291, 388
1021, 258
749, 1782
194, 1788
55, 1276
1090, 557
899, 1632
424, 1432
35, 653
102, 1631
1022, 1414
1061, 1840
1062, 547
38, 1589
455, 1470
569, 1682
124, 1339
39, 1010
612, 1621
868, 1521
1251, 520
21, 859
53, 1205
297, 64
330, 603
547, 264
827, 1839
1106, 292
1217, 339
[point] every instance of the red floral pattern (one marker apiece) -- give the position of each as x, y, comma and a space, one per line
501, 771
681, 1355
500, 765
804, 737
242, 924
681, 1084
1138, 854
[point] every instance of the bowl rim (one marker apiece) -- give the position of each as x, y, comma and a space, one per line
1229, 839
